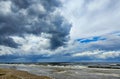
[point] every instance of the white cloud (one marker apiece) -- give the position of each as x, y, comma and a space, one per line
98, 54
92, 17
37, 45
7, 50
111, 42
109, 54
37, 8
86, 53
97, 5
32, 43
5, 7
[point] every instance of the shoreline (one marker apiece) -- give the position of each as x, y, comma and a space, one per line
18, 74
63, 72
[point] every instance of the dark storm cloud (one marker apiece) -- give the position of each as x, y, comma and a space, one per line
33, 17
21, 3
8, 42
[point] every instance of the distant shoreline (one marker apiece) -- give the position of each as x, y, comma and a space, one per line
73, 65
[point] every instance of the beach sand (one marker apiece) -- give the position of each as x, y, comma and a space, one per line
17, 74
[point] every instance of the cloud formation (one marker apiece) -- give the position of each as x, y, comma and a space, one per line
40, 30
97, 54
92, 17
110, 43
32, 17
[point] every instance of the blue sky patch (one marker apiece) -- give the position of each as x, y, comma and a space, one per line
88, 40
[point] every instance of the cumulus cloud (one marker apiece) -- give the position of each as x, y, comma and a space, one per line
31, 30
35, 17
40, 30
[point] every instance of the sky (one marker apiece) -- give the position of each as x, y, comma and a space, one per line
59, 31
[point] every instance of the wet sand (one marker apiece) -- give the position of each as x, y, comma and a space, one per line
62, 72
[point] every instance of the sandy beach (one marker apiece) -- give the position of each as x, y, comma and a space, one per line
17, 74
